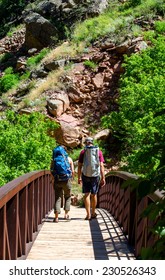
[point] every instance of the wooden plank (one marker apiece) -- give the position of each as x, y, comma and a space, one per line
76, 239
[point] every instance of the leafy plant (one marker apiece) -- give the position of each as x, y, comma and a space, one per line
139, 125
141, 103
8, 80
90, 64
4, 57
160, 26
26, 144
34, 60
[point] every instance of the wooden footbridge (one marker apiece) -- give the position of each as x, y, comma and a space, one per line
27, 230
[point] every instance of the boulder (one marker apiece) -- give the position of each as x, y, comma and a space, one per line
98, 80
68, 133
39, 32
102, 135
55, 107
58, 103
55, 64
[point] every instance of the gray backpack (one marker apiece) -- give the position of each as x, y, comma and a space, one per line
91, 163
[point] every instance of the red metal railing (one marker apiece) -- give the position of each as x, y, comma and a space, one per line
126, 208
24, 202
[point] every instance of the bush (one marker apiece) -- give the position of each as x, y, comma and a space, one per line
90, 64
34, 60
25, 144
8, 80
140, 121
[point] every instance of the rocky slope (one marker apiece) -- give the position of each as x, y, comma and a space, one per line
88, 93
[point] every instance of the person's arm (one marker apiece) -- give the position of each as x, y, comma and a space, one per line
71, 166
80, 164
102, 181
102, 172
79, 172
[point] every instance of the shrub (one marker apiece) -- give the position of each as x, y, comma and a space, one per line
90, 64
160, 26
140, 121
34, 60
26, 144
8, 80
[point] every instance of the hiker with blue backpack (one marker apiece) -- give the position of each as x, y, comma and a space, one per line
62, 169
91, 175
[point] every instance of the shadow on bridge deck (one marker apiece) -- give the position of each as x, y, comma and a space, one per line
98, 239
107, 235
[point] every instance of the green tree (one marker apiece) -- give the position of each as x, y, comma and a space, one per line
26, 144
140, 122
140, 125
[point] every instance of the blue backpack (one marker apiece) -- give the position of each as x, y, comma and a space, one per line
61, 166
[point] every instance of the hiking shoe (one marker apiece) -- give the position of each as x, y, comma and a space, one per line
87, 218
93, 216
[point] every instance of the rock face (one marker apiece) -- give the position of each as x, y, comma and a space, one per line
47, 23
58, 104
69, 133
39, 32
87, 94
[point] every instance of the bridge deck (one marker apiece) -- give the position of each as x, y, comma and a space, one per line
98, 239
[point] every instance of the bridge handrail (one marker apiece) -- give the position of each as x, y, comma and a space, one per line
126, 208
24, 202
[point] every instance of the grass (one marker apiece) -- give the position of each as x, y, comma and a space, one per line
15, 29
65, 50
51, 82
36, 59
116, 23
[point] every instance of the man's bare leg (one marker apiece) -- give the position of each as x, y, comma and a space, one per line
87, 205
93, 204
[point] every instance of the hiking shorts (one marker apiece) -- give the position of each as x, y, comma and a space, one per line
90, 184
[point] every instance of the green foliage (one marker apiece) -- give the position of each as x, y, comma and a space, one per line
140, 125
146, 8
11, 79
155, 212
74, 154
34, 60
4, 57
93, 28
90, 64
160, 26
140, 122
10, 11
135, 2
8, 80
25, 144
25, 76
149, 35
117, 22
